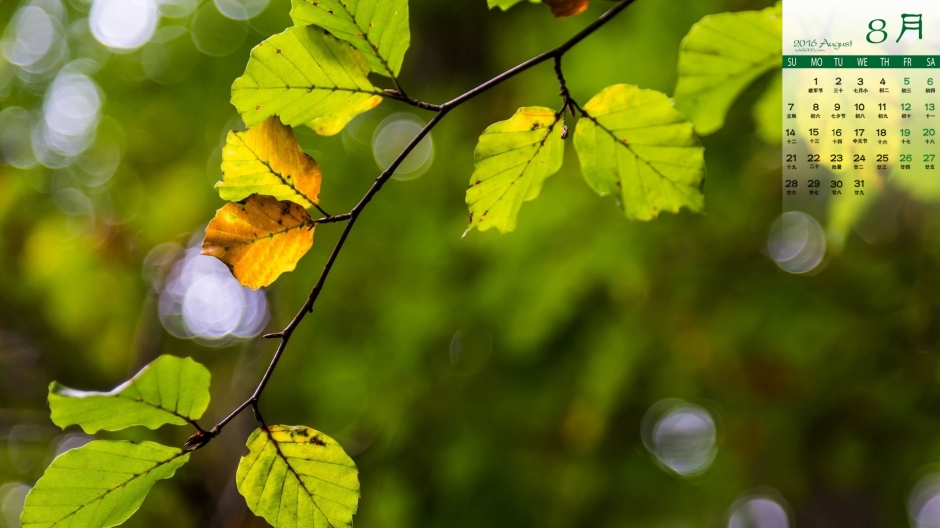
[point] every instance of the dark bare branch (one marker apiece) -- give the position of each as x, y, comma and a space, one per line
202, 438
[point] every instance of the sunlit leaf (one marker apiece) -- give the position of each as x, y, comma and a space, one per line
170, 390
296, 476
766, 112
634, 145
267, 160
377, 28
720, 57
566, 8
506, 4
513, 159
98, 485
259, 238
305, 77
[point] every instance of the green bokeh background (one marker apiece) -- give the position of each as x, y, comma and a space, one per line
823, 386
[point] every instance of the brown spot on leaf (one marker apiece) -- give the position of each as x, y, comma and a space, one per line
241, 237
258, 107
316, 441
567, 8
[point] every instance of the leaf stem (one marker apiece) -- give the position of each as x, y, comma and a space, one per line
332, 219
569, 103
351, 217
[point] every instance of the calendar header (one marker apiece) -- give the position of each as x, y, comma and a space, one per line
861, 27
861, 61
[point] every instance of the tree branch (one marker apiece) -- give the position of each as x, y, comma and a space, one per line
398, 95
353, 215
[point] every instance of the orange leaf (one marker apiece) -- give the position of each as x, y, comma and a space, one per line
567, 8
259, 238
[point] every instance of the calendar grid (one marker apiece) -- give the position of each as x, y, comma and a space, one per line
859, 105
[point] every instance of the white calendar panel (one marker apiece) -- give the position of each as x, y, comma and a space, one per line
860, 103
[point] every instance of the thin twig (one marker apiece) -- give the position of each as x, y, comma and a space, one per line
398, 87
400, 96
324, 213
353, 215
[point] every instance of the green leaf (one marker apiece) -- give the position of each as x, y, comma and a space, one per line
170, 390
766, 112
634, 145
506, 4
720, 57
305, 77
98, 485
513, 158
296, 476
377, 28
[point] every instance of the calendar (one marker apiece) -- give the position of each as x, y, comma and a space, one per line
860, 102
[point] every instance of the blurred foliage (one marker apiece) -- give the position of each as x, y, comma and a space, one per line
720, 57
486, 380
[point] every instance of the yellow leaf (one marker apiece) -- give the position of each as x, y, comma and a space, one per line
567, 8
267, 160
259, 238
513, 159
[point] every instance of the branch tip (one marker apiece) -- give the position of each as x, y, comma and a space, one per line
199, 439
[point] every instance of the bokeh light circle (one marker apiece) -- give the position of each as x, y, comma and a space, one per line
200, 300
683, 437
123, 24
35, 43
72, 106
177, 8
170, 57
797, 243
70, 116
468, 351
99, 163
241, 9
758, 511
30, 35
923, 504
391, 137
71, 441
215, 34
16, 146
12, 499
